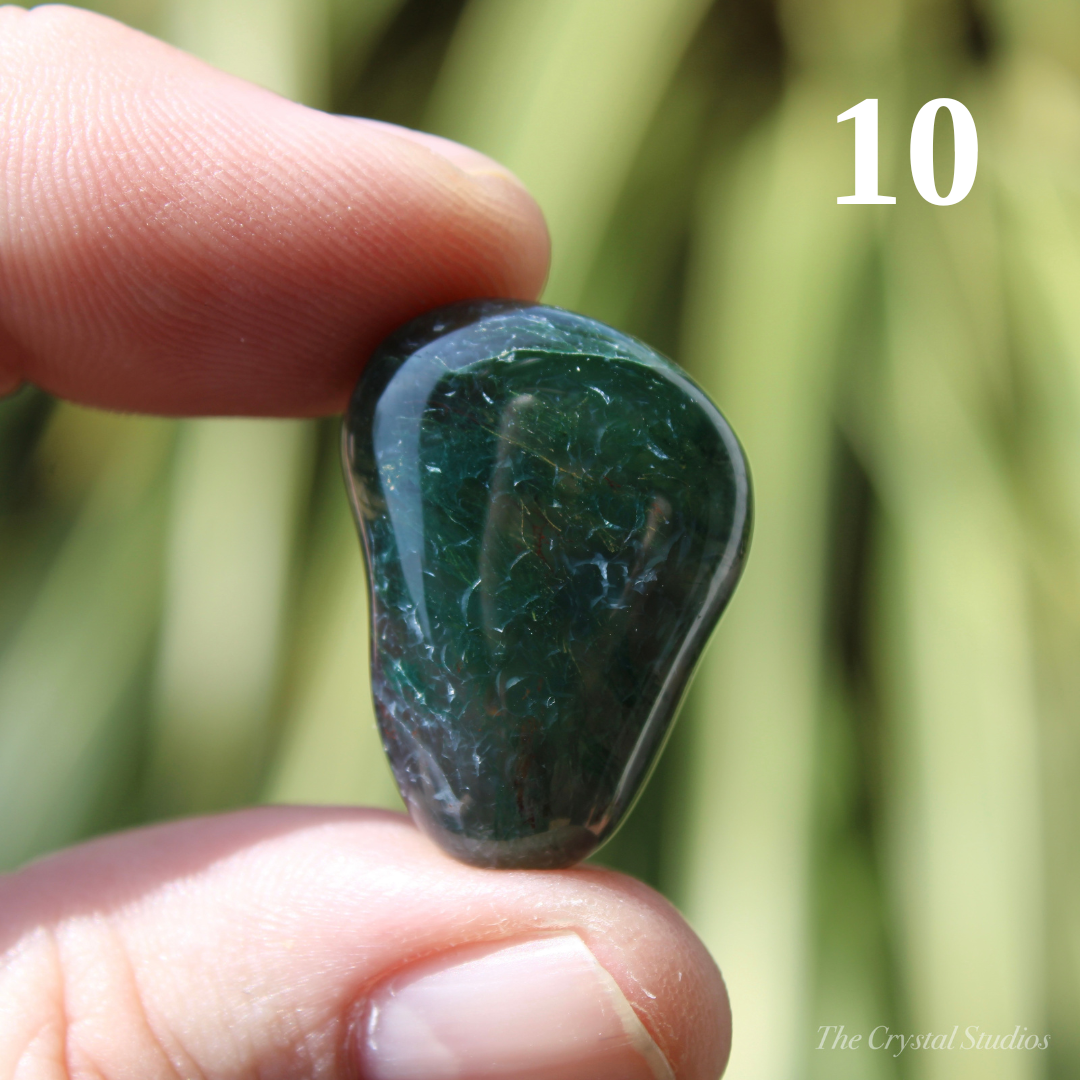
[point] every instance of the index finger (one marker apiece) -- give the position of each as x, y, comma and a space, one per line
174, 240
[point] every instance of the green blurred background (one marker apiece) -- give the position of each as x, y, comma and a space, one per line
871, 807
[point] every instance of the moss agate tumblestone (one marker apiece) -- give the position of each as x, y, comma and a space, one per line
553, 517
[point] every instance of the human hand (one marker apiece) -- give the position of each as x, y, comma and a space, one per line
176, 241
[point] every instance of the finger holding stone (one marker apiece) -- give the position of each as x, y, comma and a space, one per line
175, 240
330, 943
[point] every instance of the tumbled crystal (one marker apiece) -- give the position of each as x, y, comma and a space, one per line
553, 517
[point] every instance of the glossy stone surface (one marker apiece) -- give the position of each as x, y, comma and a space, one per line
553, 517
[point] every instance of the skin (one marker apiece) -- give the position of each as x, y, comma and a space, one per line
176, 241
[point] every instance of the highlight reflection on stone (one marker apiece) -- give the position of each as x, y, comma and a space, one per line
553, 517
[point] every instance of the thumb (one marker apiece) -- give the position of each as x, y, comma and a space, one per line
296, 942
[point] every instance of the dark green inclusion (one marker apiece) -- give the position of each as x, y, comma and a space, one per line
553, 517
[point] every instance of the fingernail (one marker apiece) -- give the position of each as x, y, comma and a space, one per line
464, 157
541, 1009
507, 202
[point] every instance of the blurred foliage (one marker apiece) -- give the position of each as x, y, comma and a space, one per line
871, 808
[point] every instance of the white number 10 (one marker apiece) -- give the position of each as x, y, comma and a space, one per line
965, 154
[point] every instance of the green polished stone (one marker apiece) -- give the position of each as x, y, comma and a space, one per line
553, 517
